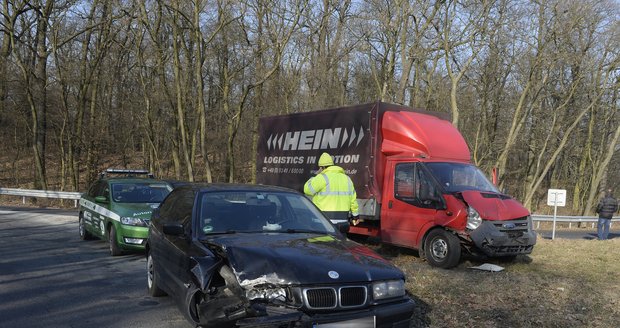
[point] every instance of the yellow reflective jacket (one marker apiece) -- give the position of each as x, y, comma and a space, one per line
332, 191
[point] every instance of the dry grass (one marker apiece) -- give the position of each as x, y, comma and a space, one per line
563, 283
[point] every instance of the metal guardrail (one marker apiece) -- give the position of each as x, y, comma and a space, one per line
41, 193
567, 218
76, 196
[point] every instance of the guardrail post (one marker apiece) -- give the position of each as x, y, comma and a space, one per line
24, 200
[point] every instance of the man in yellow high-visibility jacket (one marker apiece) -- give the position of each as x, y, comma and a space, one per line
332, 191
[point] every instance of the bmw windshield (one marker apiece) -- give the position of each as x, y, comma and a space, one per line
456, 177
249, 212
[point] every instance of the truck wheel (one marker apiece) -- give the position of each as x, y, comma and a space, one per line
151, 278
115, 250
84, 234
442, 249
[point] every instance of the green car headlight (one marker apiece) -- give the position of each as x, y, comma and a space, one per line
133, 222
388, 289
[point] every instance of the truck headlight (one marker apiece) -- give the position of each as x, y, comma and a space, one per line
473, 218
388, 289
133, 222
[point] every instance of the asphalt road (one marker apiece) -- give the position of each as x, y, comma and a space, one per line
50, 278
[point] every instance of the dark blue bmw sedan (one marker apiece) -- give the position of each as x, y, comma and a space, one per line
261, 256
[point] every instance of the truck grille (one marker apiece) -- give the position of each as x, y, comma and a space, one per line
513, 228
331, 298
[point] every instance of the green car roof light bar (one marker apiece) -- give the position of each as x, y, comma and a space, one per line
127, 172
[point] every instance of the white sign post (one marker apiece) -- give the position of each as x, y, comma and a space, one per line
555, 198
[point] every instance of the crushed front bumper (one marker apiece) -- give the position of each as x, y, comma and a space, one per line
504, 238
391, 315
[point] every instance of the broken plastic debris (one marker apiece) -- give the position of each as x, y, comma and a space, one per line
488, 267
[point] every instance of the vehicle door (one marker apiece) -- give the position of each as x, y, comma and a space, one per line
171, 251
98, 203
103, 208
87, 204
411, 200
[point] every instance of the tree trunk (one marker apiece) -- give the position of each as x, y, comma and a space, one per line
39, 89
184, 146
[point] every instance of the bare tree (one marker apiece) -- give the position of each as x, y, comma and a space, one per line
280, 29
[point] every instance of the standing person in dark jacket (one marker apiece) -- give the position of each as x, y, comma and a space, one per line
605, 209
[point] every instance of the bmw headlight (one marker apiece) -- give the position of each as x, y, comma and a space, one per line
133, 222
388, 289
473, 218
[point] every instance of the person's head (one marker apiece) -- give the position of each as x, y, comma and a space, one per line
325, 160
608, 193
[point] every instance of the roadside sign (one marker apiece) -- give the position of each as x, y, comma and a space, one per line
556, 197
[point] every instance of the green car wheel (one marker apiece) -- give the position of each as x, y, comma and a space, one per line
114, 249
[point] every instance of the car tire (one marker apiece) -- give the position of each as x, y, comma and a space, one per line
442, 249
151, 278
84, 234
115, 250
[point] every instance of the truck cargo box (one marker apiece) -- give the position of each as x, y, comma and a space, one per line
289, 146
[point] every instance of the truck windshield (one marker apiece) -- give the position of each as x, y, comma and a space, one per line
455, 177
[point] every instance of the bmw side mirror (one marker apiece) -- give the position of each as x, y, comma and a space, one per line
174, 229
343, 227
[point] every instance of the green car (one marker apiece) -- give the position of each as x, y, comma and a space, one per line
118, 208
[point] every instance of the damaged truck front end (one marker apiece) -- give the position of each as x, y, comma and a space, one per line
498, 225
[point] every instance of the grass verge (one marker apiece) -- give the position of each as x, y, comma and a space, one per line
563, 283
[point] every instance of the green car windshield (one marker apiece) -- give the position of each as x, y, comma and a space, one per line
247, 212
136, 192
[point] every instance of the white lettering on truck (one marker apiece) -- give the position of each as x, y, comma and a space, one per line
284, 160
316, 139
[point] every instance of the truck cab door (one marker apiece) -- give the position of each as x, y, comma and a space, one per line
411, 200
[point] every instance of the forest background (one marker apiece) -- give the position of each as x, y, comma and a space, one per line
177, 87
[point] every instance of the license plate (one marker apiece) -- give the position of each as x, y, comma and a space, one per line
368, 322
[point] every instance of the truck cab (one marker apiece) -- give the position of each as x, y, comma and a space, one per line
441, 207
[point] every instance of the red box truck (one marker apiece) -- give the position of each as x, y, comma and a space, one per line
415, 183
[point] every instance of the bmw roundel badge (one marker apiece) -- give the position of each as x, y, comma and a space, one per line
333, 274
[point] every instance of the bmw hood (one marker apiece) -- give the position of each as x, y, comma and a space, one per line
301, 259
494, 206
